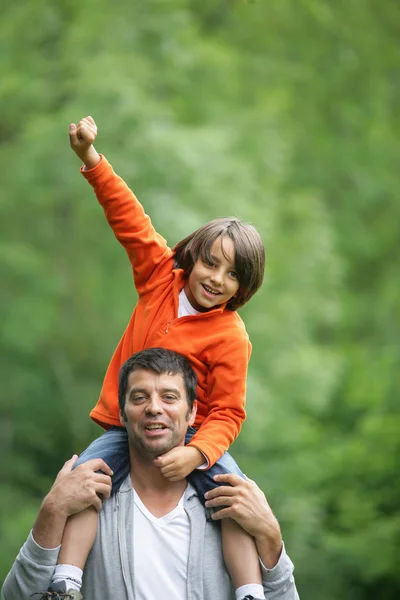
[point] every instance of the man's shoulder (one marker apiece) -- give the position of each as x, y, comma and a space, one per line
190, 493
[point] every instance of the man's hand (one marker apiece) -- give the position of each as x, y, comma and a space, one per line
81, 138
73, 491
247, 505
179, 462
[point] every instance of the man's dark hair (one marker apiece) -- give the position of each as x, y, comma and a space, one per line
249, 254
160, 361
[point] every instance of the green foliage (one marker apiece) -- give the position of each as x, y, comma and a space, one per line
284, 113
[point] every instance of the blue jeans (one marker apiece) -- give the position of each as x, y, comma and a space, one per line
113, 448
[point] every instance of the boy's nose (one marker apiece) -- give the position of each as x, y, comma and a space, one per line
217, 277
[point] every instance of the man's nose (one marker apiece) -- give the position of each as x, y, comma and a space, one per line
154, 406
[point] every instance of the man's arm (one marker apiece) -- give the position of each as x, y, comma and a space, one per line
247, 505
72, 492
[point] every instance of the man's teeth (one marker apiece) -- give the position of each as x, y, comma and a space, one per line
155, 427
210, 291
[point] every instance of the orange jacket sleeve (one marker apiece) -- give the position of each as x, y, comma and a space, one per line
226, 399
146, 249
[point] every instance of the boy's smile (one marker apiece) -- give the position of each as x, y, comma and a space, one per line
213, 283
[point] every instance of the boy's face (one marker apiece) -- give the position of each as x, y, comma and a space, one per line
213, 283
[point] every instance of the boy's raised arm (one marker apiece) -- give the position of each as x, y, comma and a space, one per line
81, 138
146, 249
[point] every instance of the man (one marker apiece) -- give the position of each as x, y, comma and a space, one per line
152, 526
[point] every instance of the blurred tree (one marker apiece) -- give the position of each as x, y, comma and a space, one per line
284, 113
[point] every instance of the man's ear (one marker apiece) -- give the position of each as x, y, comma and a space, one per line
122, 419
192, 415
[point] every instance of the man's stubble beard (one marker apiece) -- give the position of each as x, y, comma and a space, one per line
149, 452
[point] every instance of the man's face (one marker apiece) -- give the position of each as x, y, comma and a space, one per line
157, 413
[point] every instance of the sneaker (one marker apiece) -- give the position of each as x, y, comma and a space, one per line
50, 595
58, 592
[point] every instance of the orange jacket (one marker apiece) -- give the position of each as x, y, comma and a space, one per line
216, 342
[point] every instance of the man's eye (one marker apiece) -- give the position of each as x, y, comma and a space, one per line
139, 399
170, 398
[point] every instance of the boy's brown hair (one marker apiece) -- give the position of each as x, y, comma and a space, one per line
249, 254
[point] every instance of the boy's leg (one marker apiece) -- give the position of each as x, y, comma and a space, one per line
78, 538
241, 559
239, 548
81, 529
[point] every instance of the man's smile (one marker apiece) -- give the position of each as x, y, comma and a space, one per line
154, 429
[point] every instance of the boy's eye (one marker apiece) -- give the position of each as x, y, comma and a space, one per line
233, 274
208, 262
